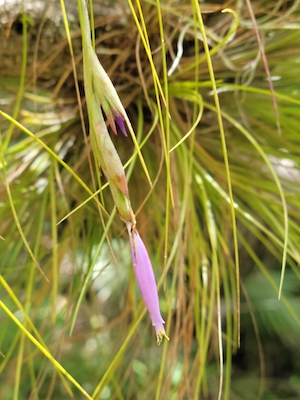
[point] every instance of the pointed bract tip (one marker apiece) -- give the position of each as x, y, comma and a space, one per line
112, 124
121, 183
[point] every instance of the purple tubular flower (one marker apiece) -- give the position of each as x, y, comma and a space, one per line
146, 281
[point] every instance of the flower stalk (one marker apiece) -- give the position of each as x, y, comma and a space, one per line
99, 90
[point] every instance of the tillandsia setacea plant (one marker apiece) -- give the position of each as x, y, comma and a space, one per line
100, 91
203, 68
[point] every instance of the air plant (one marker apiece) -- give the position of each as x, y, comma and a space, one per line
188, 215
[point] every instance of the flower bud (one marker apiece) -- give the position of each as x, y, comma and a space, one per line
107, 95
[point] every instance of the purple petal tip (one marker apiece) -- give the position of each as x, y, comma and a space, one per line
120, 123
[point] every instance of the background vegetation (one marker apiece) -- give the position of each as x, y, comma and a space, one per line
214, 100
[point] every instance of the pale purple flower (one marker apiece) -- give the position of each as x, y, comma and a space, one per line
146, 281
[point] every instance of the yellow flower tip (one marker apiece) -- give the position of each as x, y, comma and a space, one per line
160, 335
